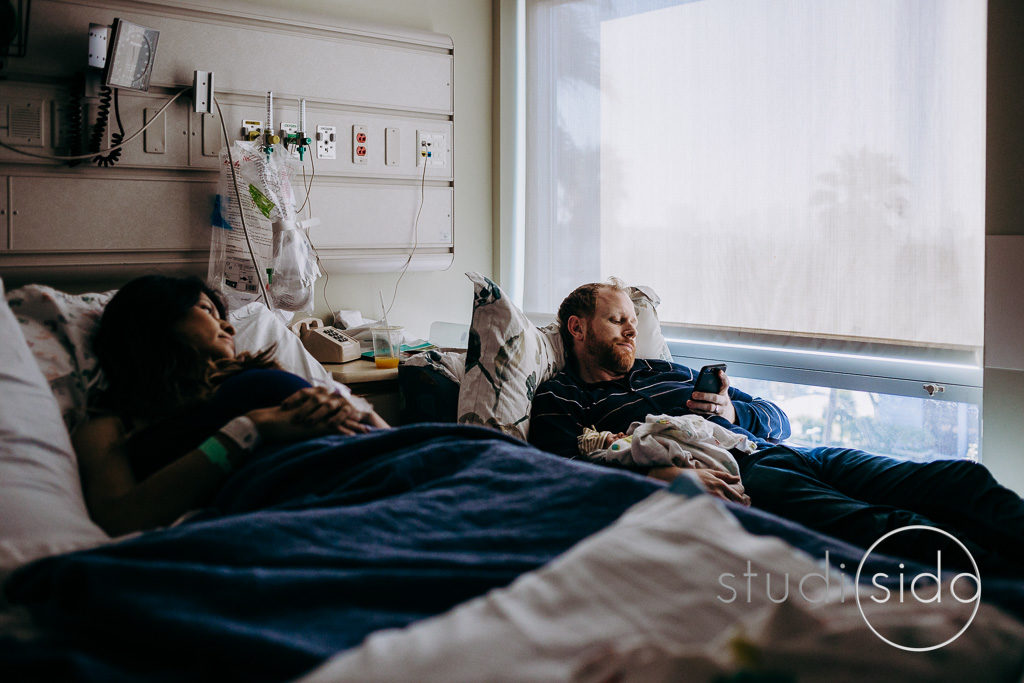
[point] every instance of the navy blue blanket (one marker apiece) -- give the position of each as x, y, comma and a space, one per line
310, 548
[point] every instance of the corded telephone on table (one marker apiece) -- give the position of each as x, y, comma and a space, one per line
327, 344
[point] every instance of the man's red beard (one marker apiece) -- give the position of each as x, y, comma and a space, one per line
611, 356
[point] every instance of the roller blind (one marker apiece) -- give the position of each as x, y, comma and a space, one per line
795, 166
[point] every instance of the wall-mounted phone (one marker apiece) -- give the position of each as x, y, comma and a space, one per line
327, 344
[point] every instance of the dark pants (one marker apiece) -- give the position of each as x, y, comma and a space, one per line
858, 497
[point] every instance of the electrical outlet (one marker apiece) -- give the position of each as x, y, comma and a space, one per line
433, 146
360, 145
326, 142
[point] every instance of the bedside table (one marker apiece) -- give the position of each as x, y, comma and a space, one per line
378, 386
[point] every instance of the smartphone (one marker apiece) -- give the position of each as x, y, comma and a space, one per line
707, 380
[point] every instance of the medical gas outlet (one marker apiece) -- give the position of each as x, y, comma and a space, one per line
251, 129
326, 142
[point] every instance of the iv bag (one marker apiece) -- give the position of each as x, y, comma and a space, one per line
244, 262
294, 270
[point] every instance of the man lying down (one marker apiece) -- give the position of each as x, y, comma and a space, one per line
585, 410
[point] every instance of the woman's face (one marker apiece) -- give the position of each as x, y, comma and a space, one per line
203, 329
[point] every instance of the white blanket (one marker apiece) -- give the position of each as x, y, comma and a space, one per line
687, 441
643, 601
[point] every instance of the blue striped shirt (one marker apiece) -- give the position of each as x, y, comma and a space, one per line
565, 404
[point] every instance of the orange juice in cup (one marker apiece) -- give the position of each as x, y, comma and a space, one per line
387, 345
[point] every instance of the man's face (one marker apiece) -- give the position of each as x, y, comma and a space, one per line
609, 340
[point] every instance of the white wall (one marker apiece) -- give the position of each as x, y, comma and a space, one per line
1003, 416
424, 297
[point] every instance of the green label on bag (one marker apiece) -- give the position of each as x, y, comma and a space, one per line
263, 203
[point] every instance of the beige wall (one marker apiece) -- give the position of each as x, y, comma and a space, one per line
1003, 417
424, 297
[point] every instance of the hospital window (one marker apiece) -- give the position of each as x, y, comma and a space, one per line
801, 182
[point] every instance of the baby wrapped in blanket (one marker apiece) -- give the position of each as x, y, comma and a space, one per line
687, 441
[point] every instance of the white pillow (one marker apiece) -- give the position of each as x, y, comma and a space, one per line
508, 357
58, 328
256, 328
42, 510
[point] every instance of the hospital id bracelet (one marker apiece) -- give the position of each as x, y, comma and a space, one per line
242, 430
217, 453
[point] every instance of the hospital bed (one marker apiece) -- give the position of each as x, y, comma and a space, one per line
428, 552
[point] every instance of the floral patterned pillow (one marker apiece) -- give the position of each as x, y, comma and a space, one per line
58, 328
508, 357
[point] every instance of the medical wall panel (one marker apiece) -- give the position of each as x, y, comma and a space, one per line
152, 207
49, 217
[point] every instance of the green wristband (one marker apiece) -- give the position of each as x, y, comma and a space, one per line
217, 453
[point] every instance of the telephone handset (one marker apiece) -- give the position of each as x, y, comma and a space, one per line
327, 344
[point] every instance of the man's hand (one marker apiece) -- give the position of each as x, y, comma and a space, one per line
721, 484
703, 403
724, 485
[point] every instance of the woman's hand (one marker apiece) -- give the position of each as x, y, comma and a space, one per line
708, 405
316, 402
313, 411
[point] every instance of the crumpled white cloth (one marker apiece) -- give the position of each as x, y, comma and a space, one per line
682, 441
648, 600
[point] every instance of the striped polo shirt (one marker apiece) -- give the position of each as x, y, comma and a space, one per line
565, 404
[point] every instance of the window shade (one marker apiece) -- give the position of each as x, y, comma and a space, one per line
803, 167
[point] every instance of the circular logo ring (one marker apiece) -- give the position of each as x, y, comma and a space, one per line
977, 574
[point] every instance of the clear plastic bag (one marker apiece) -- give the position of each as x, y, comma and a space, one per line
285, 265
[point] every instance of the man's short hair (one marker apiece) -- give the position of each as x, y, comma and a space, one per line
582, 303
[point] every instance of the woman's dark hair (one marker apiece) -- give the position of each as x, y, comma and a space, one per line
150, 372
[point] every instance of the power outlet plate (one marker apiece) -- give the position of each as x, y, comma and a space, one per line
392, 147
433, 146
360, 145
326, 142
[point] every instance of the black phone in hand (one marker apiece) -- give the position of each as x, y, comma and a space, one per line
708, 380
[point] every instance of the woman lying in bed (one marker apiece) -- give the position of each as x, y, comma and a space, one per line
181, 410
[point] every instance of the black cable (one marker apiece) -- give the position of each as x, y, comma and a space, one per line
115, 139
238, 199
75, 118
103, 114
